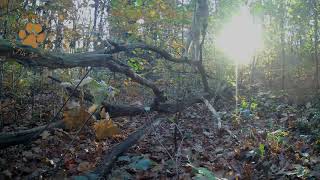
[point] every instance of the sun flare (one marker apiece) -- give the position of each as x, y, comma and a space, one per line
241, 37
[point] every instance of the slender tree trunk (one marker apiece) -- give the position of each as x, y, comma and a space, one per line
282, 43
102, 23
316, 42
95, 19
1, 94
59, 34
5, 26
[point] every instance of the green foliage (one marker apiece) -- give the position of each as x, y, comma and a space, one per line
251, 104
310, 125
99, 90
203, 173
136, 64
244, 104
261, 150
277, 136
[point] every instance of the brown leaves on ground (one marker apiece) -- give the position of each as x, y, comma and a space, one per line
105, 129
76, 117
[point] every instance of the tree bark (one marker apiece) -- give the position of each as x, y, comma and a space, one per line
33, 57
316, 42
14, 138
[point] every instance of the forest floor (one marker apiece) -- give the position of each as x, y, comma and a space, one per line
272, 140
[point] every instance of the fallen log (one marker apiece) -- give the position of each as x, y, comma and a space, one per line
20, 137
104, 167
15, 138
29, 56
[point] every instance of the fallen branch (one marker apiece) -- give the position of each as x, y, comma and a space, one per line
29, 56
213, 111
170, 108
20, 137
163, 53
105, 166
230, 133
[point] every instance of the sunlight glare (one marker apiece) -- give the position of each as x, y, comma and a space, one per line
241, 37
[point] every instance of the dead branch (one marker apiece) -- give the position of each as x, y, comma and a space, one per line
213, 111
164, 54
29, 56
105, 166
14, 138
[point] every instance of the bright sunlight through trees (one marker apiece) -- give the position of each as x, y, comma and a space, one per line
241, 37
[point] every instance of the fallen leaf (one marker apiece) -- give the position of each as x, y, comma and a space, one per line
45, 134
105, 128
75, 117
84, 166
92, 108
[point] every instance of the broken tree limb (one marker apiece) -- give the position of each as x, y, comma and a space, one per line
213, 111
123, 110
14, 138
170, 108
217, 116
29, 56
164, 54
105, 165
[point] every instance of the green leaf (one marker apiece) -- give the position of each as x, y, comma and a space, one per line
142, 164
204, 173
139, 2
261, 150
253, 106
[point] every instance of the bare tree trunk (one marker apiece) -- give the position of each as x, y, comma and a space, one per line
94, 29
59, 34
102, 22
1, 94
282, 43
316, 43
